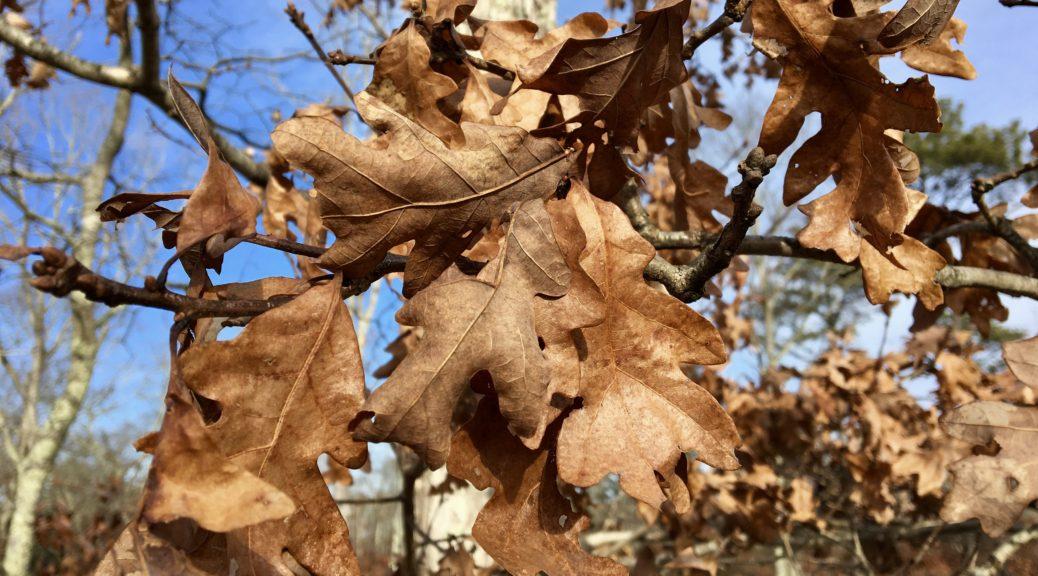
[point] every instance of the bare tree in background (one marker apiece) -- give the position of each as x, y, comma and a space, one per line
48, 393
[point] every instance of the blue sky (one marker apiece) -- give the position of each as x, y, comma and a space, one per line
1000, 43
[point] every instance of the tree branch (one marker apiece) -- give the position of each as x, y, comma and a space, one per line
687, 283
39, 49
127, 78
1002, 226
148, 27
786, 247
734, 11
299, 21
1015, 3
339, 58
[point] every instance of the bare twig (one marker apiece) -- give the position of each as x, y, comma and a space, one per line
689, 282
339, 58
734, 11
1002, 226
126, 77
488, 66
985, 185
1015, 3
299, 21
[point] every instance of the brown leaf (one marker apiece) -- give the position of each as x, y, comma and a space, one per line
515, 42
219, 206
127, 204
407, 84
700, 193
190, 479
994, 489
632, 368
940, 57
919, 266
454, 10
528, 526
1022, 358
616, 78
115, 18
826, 69
472, 324
398, 350
141, 550
374, 204
287, 388
918, 22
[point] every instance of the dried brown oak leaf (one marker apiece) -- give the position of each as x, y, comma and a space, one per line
169, 549
405, 81
513, 43
993, 489
219, 208
826, 70
528, 526
616, 78
473, 324
1022, 358
287, 388
454, 10
640, 412
407, 185
939, 57
918, 22
190, 478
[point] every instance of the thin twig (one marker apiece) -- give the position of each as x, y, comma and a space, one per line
688, 283
734, 11
1002, 226
299, 21
339, 58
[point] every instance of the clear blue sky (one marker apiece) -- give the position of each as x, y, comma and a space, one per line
1000, 43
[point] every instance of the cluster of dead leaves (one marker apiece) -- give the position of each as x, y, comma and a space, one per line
830, 66
580, 365
843, 441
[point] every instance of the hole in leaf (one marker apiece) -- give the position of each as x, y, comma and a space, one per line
210, 408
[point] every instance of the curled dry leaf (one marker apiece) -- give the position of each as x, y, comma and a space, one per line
918, 22
617, 78
472, 324
994, 489
126, 204
528, 526
939, 57
826, 69
635, 398
287, 388
218, 207
407, 185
